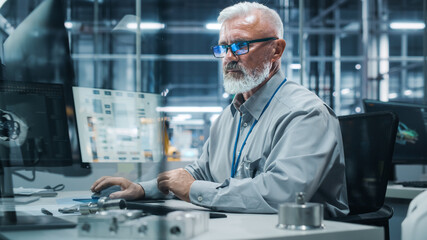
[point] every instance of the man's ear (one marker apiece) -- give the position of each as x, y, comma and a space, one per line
279, 48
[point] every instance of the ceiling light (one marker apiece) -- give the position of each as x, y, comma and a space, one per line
189, 109
181, 117
407, 92
345, 91
146, 25
295, 66
189, 122
357, 66
68, 25
392, 95
213, 26
407, 25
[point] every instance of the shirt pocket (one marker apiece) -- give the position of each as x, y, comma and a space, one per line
250, 167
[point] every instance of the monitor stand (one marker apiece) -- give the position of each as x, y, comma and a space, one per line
10, 220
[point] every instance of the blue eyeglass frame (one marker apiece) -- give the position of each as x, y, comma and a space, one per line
219, 51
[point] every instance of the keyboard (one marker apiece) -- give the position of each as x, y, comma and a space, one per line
416, 184
162, 210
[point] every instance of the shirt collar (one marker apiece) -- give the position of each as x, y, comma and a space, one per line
256, 103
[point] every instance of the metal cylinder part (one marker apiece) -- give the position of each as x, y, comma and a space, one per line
103, 204
300, 215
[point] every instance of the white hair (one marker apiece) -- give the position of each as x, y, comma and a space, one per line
244, 8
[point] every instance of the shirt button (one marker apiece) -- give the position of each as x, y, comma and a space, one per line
199, 198
245, 124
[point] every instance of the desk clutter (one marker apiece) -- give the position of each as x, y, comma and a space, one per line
110, 218
130, 224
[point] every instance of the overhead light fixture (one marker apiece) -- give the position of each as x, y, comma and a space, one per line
407, 92
146, 25
189, 122
189, 109
345, 91
358, 66
407, 25
68, 25
181, 117
392, 95
295, 66
213, 26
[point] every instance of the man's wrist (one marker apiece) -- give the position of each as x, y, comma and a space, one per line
141, 191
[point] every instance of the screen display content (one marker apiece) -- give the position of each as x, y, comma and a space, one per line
118, 126
411, 139
33, 125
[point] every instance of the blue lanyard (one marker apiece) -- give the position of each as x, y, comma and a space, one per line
236, 162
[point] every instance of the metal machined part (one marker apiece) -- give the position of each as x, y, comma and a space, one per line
300, 215
103, 204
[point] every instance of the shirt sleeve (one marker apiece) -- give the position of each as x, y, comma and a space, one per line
200, 169
151, 190
304, 148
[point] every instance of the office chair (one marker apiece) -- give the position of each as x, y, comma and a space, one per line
368, 140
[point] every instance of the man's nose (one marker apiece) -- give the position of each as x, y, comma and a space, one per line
231, 55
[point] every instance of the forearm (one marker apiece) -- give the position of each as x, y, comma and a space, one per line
234, 195
151, 190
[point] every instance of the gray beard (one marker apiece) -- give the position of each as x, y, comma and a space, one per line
248, 82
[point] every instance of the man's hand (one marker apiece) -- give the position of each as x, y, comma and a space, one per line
177, 181
130, 190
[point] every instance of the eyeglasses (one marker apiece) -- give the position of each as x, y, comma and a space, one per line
237, 48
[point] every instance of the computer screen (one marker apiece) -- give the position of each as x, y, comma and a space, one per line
34, 130
38, 51
33, 125
411, 139
118, 126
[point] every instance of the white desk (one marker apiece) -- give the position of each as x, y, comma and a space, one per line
235, 226
399, 197
401, 192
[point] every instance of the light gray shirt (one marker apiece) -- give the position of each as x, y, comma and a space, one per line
295, 146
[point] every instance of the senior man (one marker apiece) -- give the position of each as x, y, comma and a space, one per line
275, 139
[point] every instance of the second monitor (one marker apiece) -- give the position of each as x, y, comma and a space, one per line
411, 140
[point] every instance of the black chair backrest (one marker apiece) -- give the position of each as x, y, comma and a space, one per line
368, 149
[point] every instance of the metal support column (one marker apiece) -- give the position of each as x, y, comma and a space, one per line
96, 80
425, 51
337, 64
301, 40
384, 64
288, 37
403, 83
138, 84
365, 44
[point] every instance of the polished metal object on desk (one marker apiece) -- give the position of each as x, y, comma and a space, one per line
134, 224
103, 204
300, 215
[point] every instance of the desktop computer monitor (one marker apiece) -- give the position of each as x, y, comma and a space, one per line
33, 125
34, 128
411, 139
118, 126
38, 51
